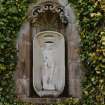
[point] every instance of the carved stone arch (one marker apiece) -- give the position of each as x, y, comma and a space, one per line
48, 16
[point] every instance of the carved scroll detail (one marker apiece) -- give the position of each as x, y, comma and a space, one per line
48, 7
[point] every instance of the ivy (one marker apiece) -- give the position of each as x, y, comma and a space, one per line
92, 21
11, 18
91, 16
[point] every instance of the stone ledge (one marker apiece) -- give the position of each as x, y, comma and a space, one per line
44, 100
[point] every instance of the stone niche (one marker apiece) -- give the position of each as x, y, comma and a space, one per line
48, 63
48, 66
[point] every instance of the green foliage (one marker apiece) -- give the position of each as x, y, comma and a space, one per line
92, 21
91, 16
11, 17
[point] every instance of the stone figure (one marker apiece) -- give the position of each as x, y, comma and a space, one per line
49, 66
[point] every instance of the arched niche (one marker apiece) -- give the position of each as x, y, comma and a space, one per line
56, 18
49, 63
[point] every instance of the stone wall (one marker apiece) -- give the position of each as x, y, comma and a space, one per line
73, 42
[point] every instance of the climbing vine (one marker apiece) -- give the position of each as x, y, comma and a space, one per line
92, 21
91, 17
11, 17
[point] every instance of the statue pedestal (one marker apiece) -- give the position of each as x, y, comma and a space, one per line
44, 100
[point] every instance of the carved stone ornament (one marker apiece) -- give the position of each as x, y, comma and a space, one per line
49, 63
49, 7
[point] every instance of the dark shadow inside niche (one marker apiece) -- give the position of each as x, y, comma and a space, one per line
65, 91
48, 21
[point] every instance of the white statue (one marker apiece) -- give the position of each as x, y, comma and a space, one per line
49, 66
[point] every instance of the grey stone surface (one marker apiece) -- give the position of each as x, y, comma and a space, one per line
62, 2
73, 42
22, 75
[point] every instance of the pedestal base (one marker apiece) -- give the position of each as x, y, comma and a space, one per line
44, 100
